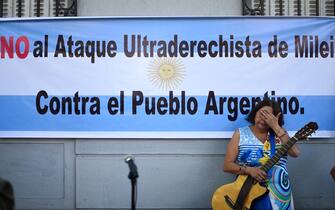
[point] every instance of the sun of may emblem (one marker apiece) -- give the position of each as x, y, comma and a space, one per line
166, 73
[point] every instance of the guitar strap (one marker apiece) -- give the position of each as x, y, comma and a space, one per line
272, 149
249, 181
243, 193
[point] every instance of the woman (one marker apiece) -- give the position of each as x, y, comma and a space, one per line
250, 147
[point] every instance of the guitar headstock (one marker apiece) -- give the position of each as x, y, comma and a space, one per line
306, 131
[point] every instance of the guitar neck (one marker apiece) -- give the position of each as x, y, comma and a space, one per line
279, 153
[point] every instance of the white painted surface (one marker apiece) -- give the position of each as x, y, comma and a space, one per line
165, 181
88, 173
159, 8
41, 171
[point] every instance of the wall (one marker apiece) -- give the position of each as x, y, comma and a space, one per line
159, 8
90, 173
42, 172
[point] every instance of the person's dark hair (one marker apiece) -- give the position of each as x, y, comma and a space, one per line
266, 102
6, 195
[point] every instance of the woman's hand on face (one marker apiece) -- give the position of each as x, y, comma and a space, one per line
269, 118
258, 174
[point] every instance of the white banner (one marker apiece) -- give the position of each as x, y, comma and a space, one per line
162, 77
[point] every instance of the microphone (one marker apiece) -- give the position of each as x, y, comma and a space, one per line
130, 160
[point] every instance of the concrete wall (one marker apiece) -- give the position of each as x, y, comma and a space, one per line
41, 170
68, 174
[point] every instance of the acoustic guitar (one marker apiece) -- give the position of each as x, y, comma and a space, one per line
240, 194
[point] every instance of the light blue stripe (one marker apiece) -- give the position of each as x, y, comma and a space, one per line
18, 113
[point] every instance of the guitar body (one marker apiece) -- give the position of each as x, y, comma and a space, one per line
232, 190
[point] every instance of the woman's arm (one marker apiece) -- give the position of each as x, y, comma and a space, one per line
230, 166
281, 133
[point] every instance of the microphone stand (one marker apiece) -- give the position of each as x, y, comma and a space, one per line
133, 178
133, 194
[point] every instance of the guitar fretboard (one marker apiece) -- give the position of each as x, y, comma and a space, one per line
279, 153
